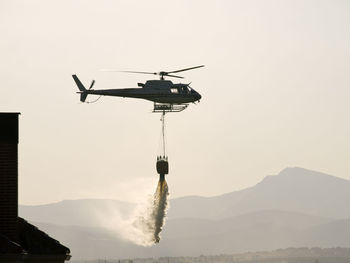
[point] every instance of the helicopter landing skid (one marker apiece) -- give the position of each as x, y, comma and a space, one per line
165, 107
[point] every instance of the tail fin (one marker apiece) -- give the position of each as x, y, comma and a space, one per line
81, 87
78, 82
83, 97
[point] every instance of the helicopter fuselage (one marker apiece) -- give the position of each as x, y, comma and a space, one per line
160, 91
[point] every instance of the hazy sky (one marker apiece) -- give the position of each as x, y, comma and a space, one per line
275, 93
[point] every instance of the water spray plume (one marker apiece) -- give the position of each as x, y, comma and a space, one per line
151, 221
160, 208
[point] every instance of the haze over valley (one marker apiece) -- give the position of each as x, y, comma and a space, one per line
296, 208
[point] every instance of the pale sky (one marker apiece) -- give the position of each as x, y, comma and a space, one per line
275, 93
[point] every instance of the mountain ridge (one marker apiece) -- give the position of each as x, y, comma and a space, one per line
294, 189
296, 208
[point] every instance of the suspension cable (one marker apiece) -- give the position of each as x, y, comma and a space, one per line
163, 127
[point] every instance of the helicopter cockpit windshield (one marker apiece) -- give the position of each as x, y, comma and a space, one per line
184, 89
180, 89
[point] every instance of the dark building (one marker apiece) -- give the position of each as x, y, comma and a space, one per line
19, 240
8, 174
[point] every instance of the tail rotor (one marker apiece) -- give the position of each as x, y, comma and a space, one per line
92, 84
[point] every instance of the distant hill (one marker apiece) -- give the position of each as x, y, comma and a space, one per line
295, 208
264, 230
293, 189
84, 212
334, 233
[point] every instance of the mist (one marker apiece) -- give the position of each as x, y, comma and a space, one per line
143, 225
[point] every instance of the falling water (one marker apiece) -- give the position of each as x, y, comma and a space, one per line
152, 219
160, 204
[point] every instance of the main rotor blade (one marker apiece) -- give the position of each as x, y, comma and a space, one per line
161, 73
174, 76
141, 72
126, 71
165, 74
109, 70
180, 70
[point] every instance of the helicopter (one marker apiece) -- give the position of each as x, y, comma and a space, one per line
166, 95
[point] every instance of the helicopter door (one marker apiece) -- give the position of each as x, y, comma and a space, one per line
174, 90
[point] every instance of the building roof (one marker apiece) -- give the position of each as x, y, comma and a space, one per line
9, 247
35, 241
32, 244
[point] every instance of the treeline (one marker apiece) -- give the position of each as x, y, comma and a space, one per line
288, 255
